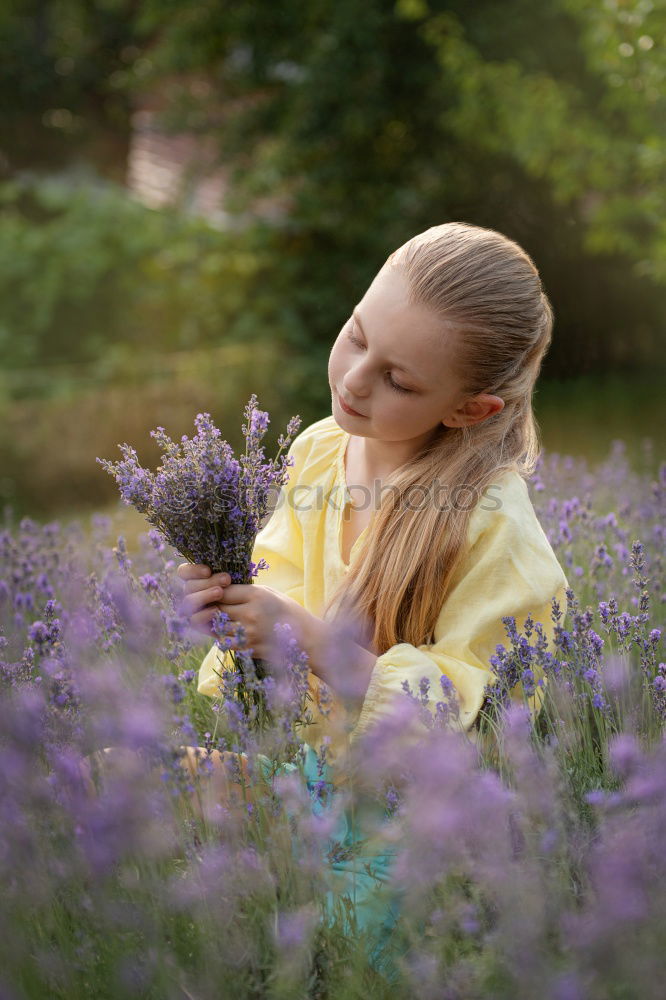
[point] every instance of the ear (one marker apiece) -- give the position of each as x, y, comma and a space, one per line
474, 411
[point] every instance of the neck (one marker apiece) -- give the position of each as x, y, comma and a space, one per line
381, 458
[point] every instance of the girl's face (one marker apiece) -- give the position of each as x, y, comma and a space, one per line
392, 364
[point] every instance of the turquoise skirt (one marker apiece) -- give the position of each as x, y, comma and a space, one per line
362, 895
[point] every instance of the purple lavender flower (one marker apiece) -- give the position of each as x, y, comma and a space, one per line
149, 583
204, 501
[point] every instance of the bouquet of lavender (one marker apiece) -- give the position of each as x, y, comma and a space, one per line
207, 503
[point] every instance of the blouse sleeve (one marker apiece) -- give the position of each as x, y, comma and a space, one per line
280, 543
509, 569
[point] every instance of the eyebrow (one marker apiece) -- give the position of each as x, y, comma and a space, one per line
407, 371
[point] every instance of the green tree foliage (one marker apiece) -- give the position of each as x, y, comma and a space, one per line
377, 120
111, 275
64, 77
374, 121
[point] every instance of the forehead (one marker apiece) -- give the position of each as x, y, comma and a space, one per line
407, 335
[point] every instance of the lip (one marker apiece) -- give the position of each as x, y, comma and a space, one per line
348, 409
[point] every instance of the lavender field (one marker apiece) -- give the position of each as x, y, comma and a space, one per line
529, 858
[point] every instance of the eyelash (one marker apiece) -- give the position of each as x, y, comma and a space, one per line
394, 385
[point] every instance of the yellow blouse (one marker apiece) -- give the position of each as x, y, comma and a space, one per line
509, 569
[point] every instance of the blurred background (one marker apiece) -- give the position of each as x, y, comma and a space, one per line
194, 195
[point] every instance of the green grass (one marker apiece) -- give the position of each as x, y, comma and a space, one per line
583, 416
48, 455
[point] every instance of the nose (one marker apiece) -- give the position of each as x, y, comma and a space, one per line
355, 382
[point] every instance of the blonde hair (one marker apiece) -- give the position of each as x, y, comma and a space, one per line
487, 291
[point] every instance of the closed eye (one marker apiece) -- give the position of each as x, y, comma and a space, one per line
394, 385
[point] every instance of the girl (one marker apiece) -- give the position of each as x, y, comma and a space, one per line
427, 450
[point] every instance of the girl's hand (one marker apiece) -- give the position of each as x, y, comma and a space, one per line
254, 607
203, 593
258, 609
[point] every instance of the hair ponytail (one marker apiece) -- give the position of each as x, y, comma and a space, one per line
487, 290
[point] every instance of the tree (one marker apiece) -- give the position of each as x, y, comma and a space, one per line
373, 121
377, 120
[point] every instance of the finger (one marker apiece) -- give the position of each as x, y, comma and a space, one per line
234, 630
198, 586
236, 593
193, 571
201, 622
208, 613
192, 584
191, 603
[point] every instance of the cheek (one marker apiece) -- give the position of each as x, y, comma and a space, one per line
336, 359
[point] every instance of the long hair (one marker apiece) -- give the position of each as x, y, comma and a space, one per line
488, 292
